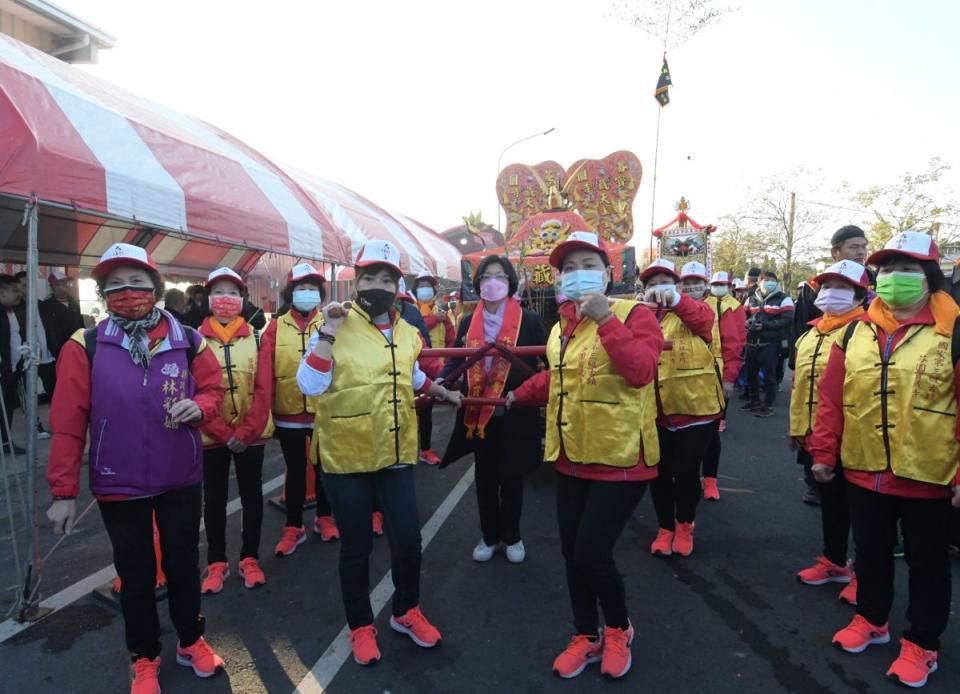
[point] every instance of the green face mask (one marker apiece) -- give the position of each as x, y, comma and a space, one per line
899, 289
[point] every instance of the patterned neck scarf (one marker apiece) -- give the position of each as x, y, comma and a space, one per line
137, 331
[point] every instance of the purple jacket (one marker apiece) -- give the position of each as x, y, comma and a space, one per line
135, 448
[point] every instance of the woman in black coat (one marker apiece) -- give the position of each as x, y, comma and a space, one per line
506, 444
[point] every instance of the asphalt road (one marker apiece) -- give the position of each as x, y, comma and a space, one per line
731, 618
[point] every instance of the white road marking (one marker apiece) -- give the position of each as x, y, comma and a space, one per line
326, 668
85, 586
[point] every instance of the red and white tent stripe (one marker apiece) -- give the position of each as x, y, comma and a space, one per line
362, 221
446, 257
121, 168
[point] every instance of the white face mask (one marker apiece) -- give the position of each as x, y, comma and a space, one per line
663, 287
719, 289
835, 301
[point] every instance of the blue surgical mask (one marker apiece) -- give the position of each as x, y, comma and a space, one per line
577, 283
425, 294
305, 300
769, 286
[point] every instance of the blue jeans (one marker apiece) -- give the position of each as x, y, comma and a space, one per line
352, 498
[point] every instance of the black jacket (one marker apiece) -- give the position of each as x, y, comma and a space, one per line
518, 446
769, 319
10, 363
411, 314
60, 322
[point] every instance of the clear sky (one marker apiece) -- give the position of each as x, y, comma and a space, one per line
410, 103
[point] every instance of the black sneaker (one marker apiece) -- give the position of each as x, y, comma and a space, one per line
41, 432
812, 496
14, 448
751, 406
763, 411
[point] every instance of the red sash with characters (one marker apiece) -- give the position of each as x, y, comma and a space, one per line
489, 384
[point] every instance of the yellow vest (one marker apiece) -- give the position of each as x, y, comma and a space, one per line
720, 305
366, 420
238, 379
291, 346
900, 410
813, 351
592, 410
438, 333
688, 382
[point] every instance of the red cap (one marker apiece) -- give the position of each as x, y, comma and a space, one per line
580, 237
660, 266
848, 271
378, 253
303, 272
123, 255
912, 244
225, 273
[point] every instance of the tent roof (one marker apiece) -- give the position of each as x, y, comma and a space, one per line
106, 165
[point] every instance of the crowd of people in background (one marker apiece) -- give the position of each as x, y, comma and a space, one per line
631, 391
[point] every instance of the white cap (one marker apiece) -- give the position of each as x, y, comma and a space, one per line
303, 271
402, 290
694, 269
720, 278
577, 240
56, 274
378, 252
848, 270
659, 265
120, 254
739, 283
912, 244
427, 275
225, 273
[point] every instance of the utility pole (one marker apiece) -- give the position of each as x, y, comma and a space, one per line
787, 271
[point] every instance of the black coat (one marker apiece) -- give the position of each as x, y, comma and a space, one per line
60, 322
517, 444
10, 363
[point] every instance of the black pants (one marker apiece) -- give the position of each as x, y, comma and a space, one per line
48, 377
711, 457
130, 527
763, 357
925, 524
676, 491
425, 426
835, 517
293, 445
11, 401
352, 496
216, 478
499, 489
591, 516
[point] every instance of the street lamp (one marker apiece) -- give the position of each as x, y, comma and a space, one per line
500, 160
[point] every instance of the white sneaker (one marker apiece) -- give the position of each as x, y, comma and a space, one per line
516, 553
483, 551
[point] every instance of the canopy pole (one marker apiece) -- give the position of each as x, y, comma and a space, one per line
29, 598
333, 282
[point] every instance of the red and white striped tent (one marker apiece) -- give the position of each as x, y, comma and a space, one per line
105, 165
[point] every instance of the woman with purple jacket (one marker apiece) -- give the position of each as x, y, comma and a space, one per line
141, 384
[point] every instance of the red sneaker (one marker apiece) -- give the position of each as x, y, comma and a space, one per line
290, 540
201, 658
710, 489
683, 539
429, 457
377, 523
251, 573
849, 594
363, 642
326, 528
616, 652
144, 674
856, 636
663, 544
582, 650
217, 572
723, 426
825, 571
913, 666
416, 626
